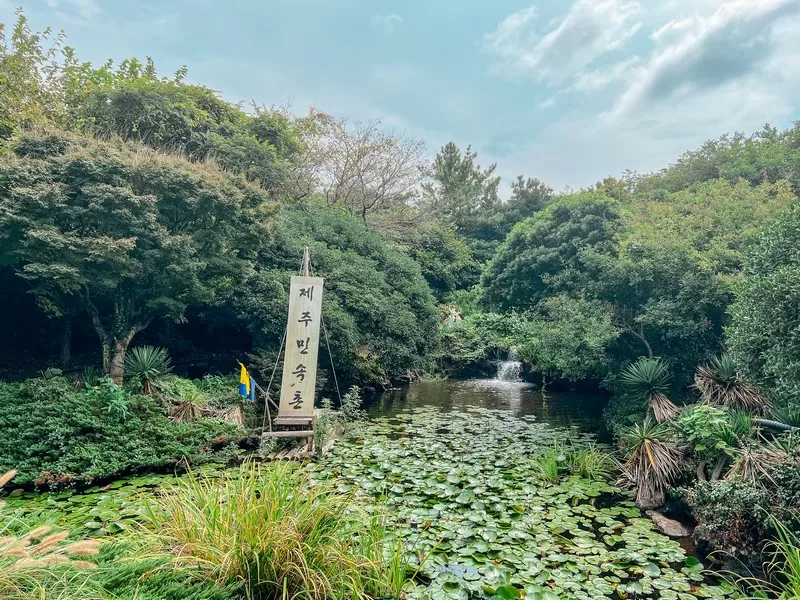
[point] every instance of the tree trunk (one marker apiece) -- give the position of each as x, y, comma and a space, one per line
718, 468
65, 341
114, 351
640, 334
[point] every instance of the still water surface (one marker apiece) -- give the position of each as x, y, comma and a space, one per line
561, 409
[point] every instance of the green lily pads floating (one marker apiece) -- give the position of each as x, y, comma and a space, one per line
465, 497
476, 521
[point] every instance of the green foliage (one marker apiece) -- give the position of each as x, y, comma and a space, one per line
446, 261
145, 365
765, 325
113, 398
466, 345
126, 234
270, 530
379, 312
652, 462
731, 514
568, 338
351, 410
541, 256
648, 380
131, 571
720, 384
708, 431
58, 435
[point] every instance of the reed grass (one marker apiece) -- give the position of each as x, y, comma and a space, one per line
268, 528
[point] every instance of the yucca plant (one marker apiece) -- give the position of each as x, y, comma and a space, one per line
720, 384
145, 365
753, 463
648, 379
652, 462
90, 377
41, 564
269, 529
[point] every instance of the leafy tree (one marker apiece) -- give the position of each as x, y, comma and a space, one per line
379, 312
541, 256
129, 235
528, 197
446, 261
568, 338
764, 334
460, 193
30, 75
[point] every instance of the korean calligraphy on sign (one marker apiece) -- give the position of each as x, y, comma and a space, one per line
302, 345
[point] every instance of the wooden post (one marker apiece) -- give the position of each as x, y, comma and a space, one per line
306, 262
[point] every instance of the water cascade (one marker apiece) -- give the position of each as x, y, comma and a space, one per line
511, 369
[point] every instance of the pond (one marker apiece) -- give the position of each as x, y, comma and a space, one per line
456, 469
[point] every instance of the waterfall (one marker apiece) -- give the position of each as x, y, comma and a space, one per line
511, 369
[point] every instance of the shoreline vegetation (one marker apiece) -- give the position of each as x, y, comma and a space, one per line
148, 231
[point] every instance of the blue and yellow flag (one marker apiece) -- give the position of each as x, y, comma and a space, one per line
245, 383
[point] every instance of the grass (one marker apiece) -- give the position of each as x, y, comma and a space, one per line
41, 563
275, 533
588, 461
783, 569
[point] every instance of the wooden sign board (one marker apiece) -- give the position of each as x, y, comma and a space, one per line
302, 346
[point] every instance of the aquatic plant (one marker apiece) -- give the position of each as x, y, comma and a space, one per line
465, 491
270, 529
648, 379
145, 365
652, 462
720, 384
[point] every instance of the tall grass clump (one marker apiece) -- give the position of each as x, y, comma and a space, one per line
783, 569
268, 528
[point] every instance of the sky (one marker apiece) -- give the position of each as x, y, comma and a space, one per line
568, 91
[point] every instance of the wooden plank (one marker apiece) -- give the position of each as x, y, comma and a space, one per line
293, 420
302, 347
289, 434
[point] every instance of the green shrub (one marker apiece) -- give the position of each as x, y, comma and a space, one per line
56, 434
731, 514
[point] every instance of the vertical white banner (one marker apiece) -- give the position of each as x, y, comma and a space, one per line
302, 346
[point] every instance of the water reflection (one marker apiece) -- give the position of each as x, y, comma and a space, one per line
580, 410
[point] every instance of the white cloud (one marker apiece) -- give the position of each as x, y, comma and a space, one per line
85, 10
591, 29
388, 23
590, 81
699, 54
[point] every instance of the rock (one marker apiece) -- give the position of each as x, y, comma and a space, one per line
668, 526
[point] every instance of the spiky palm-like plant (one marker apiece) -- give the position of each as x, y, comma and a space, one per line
145, 365
720, 384
753, 463
652, 462
648, 379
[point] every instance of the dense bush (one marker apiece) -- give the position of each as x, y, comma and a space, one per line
764, 334
56, 434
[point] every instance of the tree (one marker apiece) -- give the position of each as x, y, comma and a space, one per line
764, 333
126, 233
568, 338
459, 189
542, 255
29, 75
446, 261
356, 167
